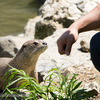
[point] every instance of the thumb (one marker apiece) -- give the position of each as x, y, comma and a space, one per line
68, 48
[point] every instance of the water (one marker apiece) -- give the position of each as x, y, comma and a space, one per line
14, 15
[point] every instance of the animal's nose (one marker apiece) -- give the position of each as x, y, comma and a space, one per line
44, 43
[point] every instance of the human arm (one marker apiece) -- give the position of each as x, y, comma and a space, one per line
88, 22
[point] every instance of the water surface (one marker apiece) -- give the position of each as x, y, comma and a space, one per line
14, 15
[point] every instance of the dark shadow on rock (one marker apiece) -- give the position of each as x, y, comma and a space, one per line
40, 2
40, 77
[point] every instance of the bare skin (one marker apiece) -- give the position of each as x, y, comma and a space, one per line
25, 59
88, 22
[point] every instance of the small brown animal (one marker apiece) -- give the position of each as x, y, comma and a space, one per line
25, 59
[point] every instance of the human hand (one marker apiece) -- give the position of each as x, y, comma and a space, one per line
66, 40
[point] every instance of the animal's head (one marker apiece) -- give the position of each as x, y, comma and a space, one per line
32, 47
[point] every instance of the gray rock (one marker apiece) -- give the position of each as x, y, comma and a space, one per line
51, 57
92, 87
85, 45
85, 5
90, 4
55, 14
59, 7
85, 41
45, 27
9, 45
29, 30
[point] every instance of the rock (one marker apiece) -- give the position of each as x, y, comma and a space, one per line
78, 62
85, 5
68, 71
55, 14
51, 58
92, 87
59, 7
85, 45
29, 30
85, 41
90, 4
45, 28
9, 45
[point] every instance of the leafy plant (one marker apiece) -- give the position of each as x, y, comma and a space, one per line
63, 89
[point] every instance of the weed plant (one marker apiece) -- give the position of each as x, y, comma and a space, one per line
63, 89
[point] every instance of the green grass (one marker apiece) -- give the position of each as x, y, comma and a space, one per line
63, 89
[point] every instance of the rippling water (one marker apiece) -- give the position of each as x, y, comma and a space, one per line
14, 15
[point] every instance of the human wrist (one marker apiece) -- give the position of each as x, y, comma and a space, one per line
74, 26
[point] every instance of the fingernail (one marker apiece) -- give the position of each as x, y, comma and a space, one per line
67, 53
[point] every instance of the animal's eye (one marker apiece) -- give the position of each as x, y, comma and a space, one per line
35, 43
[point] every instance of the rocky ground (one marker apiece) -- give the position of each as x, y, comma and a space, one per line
78, 62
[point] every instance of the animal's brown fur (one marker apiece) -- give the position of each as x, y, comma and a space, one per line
25, 59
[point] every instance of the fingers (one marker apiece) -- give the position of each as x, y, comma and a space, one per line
68, 48
61, 47
65, 47
66, 41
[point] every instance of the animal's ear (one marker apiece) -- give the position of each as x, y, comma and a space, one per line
20, 50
